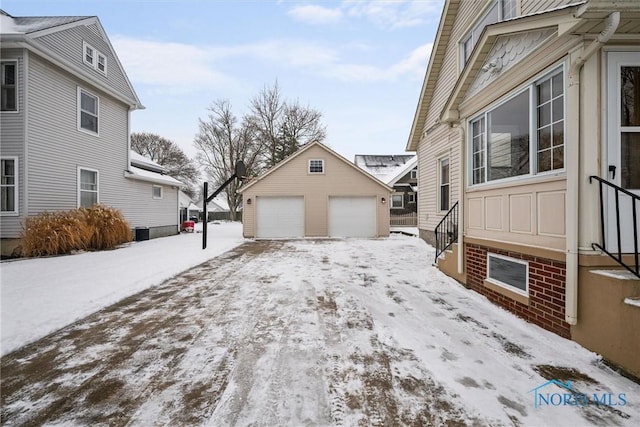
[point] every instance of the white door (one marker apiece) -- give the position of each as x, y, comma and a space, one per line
352, 217
279, 217
623, 146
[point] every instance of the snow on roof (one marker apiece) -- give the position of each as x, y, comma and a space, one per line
150, 176
29, 24
218, 204
385, 167
140, 161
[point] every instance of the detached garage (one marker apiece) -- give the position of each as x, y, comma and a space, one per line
315, 193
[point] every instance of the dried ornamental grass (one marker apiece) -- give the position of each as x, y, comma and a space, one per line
108, 227
54, 233
59, 233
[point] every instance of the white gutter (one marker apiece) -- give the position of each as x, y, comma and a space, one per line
573, 166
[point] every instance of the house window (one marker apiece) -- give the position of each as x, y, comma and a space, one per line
101, 65
478, 150
94, 58
87, 187
157, 192
498, 11
316, 166
414, 174
9, 185
88, 106
89, 55
412, 197
501, 139
397, 201
9, 86
550, 109
510, 273
443, 170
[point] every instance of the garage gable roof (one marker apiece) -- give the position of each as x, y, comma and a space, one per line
300, 152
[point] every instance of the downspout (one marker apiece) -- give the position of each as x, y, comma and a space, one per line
573, 167
461, 181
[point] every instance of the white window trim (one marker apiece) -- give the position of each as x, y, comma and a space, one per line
309, 167
104, 57
469, 33
153, 193
528, 86
412, 197
413, 174
79, 100
17, 110
81, 168
96, 55
86, 45
506, 285
401, 201
16, 196
439, 195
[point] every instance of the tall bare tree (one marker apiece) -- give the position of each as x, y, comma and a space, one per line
168, 154
222, 141
282, 127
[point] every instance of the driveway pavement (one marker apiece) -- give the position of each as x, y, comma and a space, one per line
353, 332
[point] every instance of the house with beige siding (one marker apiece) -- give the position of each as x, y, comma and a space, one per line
527, 132
315, 193
64, 127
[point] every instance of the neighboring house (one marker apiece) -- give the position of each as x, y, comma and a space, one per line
522, 103
64, 126
218, 209
151, 197
315, 193
400, 172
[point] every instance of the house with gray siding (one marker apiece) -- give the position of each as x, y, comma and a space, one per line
400, 172
64, 127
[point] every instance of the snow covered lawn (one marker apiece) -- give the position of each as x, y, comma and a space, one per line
41, 295
348, 332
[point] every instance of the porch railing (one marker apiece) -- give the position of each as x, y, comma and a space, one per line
616, 252
447, 231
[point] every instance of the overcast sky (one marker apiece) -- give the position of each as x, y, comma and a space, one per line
361, 63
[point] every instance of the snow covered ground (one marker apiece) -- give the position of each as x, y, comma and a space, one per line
309, 332
39, 296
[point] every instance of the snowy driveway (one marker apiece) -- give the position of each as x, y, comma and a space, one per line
354, 332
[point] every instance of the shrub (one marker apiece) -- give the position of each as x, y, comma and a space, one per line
59, 233
108, 227
55, 233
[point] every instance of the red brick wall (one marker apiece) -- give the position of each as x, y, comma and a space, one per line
547, 281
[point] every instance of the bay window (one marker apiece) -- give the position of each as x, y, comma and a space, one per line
511, 140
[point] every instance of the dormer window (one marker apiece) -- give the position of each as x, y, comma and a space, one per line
316, 166
94, 58
499, 10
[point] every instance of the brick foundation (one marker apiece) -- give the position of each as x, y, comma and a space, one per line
547, 281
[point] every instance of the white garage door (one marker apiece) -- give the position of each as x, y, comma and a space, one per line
352, 217
279, 217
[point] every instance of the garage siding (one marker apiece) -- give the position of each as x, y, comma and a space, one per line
339, 179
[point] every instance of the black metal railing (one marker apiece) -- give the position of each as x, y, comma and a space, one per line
447, 231
617, 252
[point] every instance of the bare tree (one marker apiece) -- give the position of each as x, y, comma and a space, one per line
222, 141
282, 127
167, 153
